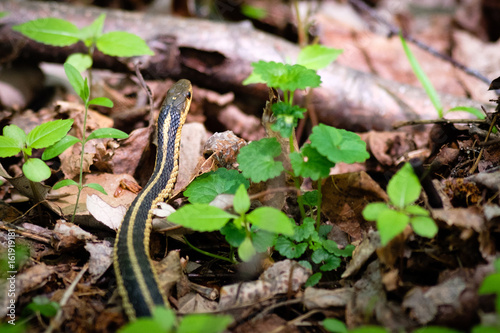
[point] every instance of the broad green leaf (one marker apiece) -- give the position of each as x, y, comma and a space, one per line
333, 248
51, 31
122, 44
142, 325
86, 91
3, 14
111, 133
373, 210
91, 32
205, 323
310, 163
256, 160
271, 219
490, 285
64, 182
75, 79
8, 146
338, 145
485, 329
201, 217
58, 147
320, 255
334, 325
416, 210
497, 265
252, 79
102, 101
324, 230
234, 236
286, 77
473, 111
253, 12
47, 134
422, 77
313, 279
96, 187
206, 187
317, 56
246, 251
262, 240
391, 223
435, 329
36, 170
241, 201
306, 264
287, 117
289, 249
166, 318
331, 263
424, 226
305, 230
369, 329
16, 133
404, 187
80, 61
44, 306
311, 198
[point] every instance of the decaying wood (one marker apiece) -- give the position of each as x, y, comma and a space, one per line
218, 56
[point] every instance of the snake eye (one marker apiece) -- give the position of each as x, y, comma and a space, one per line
188, 95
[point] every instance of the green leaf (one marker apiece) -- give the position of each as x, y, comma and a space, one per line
122, 44
310, 163
257, 162
287, 117
416, 210
51, 31
306, 264
331, 263
80, 61
391, 223
320, 255
241, 201
36, 170
252, 79
404, 187
497, 265
246, 250
271, 219
424, 226
205, 323
96, 187
143, 325
102, 101
317, 56
305, 230
111, 133
3, 14
422, 77
473, 111
253, 12
49, 133
333, 248
58, 147
75, 79
289, 249
338, 145
485, 329
8, 146
85, 92
334, 325
234, 235
313, 279
16, 133
164, 317
286, 77
262, 239
373, 210
490, 285
324, 230
91, 32
64, 182
201, 217
311, 198
44, 306
369, 329
206, 187
435, 329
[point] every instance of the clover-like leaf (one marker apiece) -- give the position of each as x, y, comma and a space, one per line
257, 160
289, 249
310, 163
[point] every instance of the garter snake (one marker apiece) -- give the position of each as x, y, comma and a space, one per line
136, 277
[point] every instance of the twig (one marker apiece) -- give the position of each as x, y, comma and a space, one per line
399, 124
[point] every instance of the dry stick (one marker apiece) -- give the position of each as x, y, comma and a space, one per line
393, 30
296, 320
399, 124
474, 166
144, 86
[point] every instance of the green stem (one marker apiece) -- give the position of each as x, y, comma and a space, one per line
300, 199
318, 213
80, 178
291, 97
207, 253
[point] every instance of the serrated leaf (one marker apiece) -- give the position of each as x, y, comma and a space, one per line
16, 133
391, 223
271, 219
201, 217
58, 147
424, 226
311, 198
404, 187
373, 210
205, 323
8, 146
51, 31
246, 251
206, 187
64, 182
286, 77
313, 279
111, 133
304, 231
102, 101
287, 117
36, 170
80, 61
310, 163
234, 236
241, 201
262, 240
122, 44
75, 79
338, 145
289, 249
96, 187
256, 160
47, 134
317, 56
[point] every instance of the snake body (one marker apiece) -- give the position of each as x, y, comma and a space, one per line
136, 277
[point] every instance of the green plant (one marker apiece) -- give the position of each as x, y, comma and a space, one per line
164, 321
393, 217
